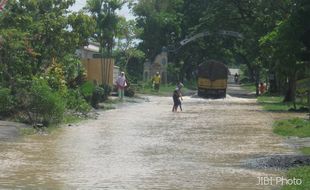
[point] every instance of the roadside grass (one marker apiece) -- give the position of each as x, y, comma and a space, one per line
70, 118
305, 150
275, 103
293, 127
249, 87
164, 90
302, 173
32, 130
299, 128
112, 101
109, 104
27, 131
107, 107
272, 102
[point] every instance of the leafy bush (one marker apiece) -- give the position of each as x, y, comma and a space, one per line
97, 96
45, 106
56, 79
74, 71
76, 102
129, 92
107, 91
87, 90
6, 101
244, 80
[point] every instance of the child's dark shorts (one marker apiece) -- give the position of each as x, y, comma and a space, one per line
176, 101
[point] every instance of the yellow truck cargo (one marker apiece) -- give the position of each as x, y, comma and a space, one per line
212, 79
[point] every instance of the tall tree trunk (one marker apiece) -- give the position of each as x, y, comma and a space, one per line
273, 88
252, 73
257, 79
291, 91
249, 66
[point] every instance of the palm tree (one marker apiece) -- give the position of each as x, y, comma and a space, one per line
104, 12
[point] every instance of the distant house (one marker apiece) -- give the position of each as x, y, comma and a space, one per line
88, 52
103, 71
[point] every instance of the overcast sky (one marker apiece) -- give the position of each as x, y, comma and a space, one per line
79, 4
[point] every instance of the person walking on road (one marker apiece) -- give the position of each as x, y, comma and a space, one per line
236, 78
177, 97
262, 88
176, 100
156, 81
121, 84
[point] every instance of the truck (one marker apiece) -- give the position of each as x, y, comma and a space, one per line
212, 79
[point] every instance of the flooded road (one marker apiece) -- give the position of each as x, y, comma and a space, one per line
146, 146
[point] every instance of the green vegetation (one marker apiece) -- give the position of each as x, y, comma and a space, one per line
292, 127
274, 48
39, 39
41, 130
108, 107
302, 173
164, 90
273, 103
104, 13
27, 131
41, 78
110, 103
45, 105
249, 87
113, 101
299, 128
305, 150
6, 101
76, 102
87, 90
70, 118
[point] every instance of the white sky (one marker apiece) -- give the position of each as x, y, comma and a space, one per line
79, 4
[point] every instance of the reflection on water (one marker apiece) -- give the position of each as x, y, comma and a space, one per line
146, 146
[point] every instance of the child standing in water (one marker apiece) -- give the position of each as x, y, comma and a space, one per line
176, 100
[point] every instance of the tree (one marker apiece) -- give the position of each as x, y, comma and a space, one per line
104, 12
126, 46
37, 33
287, 43
158, 19
251, 18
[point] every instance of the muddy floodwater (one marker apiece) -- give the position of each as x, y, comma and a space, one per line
146, 146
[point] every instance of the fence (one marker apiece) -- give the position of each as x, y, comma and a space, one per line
100, 70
